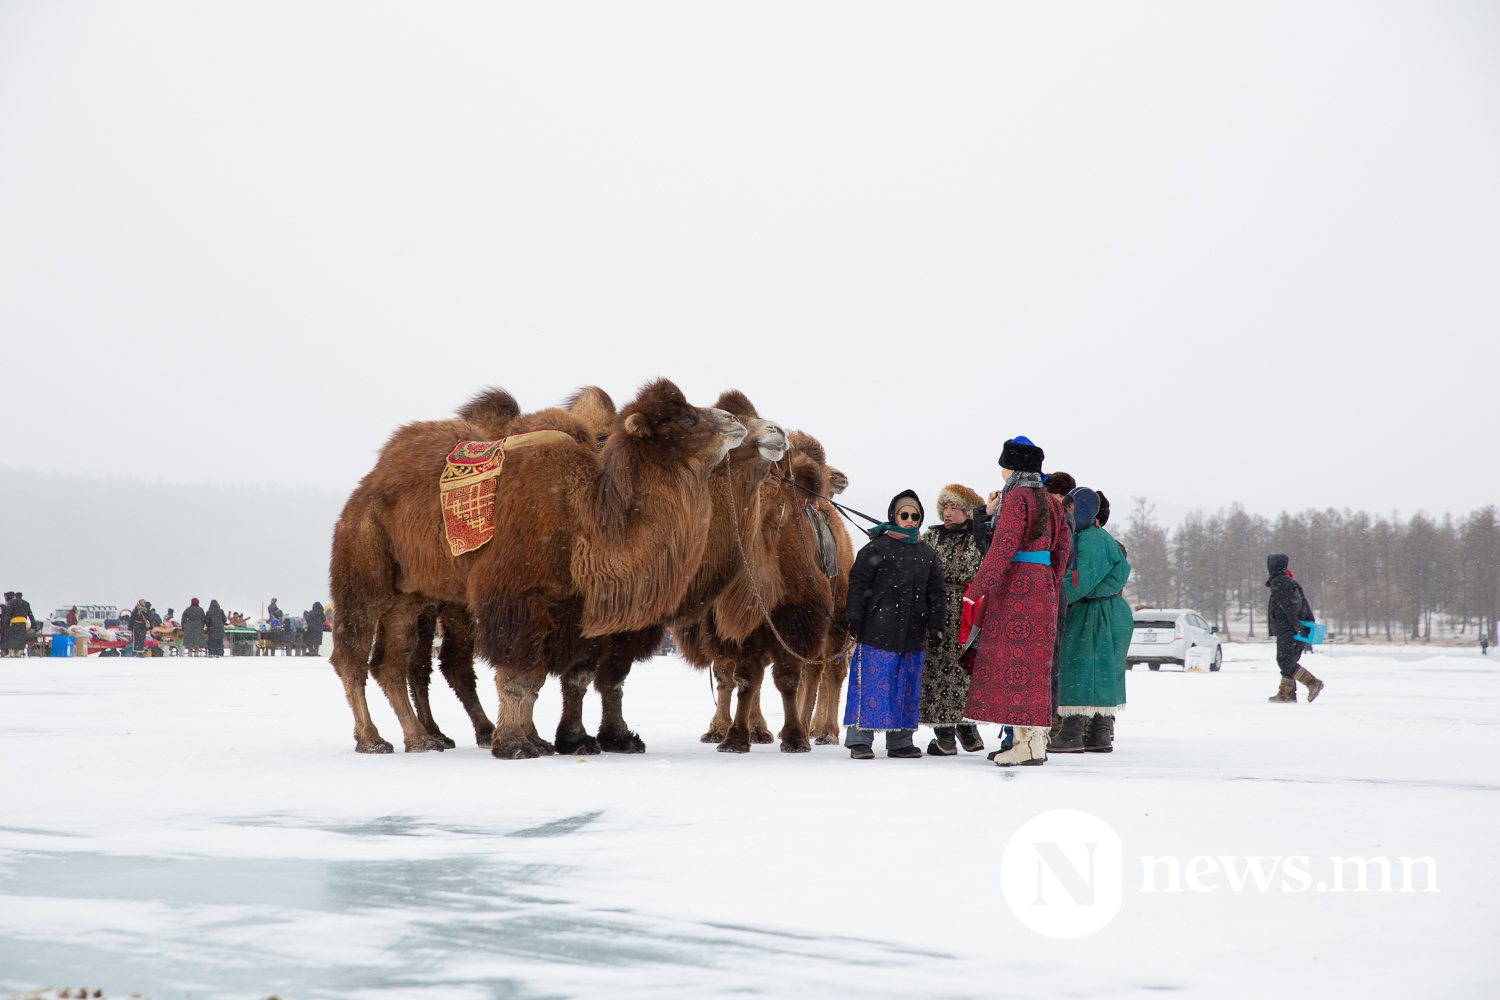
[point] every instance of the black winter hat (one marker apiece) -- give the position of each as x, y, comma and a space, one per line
1277, 564
1103, 516
1020, 455
901, 500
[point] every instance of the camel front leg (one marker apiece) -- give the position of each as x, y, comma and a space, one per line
748, 676
825, 727
788, 678
515, 732
614, 735
760, 729
571, 736
718, 726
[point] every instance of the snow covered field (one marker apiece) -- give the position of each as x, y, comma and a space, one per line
180, 827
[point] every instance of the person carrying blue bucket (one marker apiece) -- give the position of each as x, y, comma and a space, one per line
1287, 613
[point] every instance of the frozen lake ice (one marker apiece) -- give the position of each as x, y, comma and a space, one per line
177, 827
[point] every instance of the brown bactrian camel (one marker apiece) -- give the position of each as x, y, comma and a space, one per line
490, 414
823, 682
736, 639
735, 490
590, 542
819, 692
750, 463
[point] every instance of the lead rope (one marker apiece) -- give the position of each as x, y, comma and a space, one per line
760, 602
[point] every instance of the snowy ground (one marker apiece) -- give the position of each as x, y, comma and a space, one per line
182, 827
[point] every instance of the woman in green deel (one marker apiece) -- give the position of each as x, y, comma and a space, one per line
1091, 679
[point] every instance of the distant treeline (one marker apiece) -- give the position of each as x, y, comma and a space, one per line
1365, 574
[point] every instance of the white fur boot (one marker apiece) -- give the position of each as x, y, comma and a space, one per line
1030, 748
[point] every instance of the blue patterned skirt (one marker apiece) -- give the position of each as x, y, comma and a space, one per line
885, 689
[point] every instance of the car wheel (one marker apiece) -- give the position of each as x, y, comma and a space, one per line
1130, 666
1153, 666
1218, 658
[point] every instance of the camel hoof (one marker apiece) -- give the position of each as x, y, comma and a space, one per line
799, 745
826, 741
738, 745
627, 742
517, 750
581, 746
447, 743
376, 746
484, 739
762, 736
424, 744
712, 736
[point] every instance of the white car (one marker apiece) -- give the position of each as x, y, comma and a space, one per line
1164, 635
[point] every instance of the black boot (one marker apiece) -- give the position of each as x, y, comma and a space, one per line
1100, 737
942, 744
968, 738
1069, 738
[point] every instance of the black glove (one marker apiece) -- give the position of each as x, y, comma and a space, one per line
934, 636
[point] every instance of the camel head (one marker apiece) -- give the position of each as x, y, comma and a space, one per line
661, 420
763, 436
837, 481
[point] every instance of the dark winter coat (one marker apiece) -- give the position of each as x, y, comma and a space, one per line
896, 594
194, 621
316, 623
18, 620
274, 612
215, 620
1287, 607
140, 624
945, 685
1012, 681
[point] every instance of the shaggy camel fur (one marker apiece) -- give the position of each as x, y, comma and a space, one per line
735, 491
750, 462
490, 413
591, 542
736, 640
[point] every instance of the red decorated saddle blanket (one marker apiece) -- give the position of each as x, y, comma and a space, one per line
469, 481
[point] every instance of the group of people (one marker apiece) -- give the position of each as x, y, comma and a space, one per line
1009, 611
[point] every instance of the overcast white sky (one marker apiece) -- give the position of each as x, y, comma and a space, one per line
1200, 252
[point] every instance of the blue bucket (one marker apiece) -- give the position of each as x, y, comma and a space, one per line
62, 645
1315, 633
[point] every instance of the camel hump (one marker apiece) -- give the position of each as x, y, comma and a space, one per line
490, 405
594, 407
809, 446
738, 403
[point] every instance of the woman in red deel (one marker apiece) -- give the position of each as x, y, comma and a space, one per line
1019, 582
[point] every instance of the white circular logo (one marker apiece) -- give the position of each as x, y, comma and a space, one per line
1063, 873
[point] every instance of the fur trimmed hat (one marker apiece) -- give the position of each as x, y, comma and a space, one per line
1020, 455
1060, 484
1103, 516
959, 496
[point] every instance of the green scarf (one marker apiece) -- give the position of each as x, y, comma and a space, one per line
883, 527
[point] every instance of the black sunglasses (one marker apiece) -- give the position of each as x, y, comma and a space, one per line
904, 516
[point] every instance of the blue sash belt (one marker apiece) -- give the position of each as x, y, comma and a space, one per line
1044, 558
